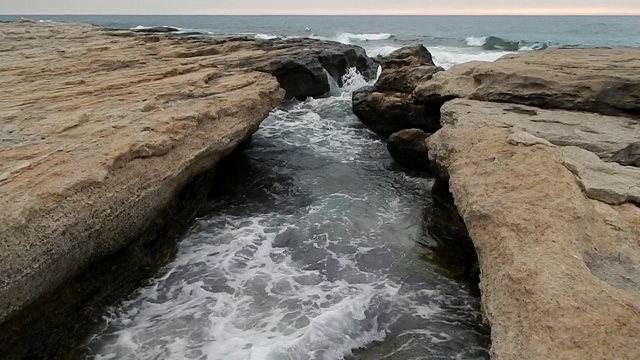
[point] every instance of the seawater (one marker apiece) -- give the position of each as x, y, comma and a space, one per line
311, 250
451, 39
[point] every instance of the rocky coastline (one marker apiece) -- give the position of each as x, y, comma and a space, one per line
110, 137
539, 151
102, 132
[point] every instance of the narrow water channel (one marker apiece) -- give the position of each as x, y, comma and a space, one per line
309, 248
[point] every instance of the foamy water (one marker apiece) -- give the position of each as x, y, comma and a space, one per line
316, 257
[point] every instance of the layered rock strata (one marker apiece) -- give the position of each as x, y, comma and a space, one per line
101, 129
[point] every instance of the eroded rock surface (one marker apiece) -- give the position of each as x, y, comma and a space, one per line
389, 106
606, 136
604, 81
559, 264
559, 271
101, 129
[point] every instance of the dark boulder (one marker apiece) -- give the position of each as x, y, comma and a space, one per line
388, 112
389, 105
408, 147
629, 156
405, 68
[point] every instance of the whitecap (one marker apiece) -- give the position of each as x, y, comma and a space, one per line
266, 37
450, 56
476, 41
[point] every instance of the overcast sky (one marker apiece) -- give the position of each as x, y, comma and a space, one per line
592, 7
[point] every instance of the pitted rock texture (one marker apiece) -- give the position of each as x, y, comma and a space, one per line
559, 271
606, 136
100, 129
605, 81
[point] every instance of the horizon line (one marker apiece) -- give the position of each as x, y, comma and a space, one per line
319, 14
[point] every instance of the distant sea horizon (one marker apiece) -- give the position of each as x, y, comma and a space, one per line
452, 39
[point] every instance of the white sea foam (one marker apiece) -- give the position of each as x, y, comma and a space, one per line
381, 50
272, 286
266, 36
476, 41
450, 56
349, 38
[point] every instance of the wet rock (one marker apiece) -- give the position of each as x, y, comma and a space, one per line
389, 105
409, 148
454, 251
629, 156
405, 68
303, 72
596, 80
387, 113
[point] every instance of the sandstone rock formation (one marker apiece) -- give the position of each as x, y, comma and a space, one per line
555, 222
610, 137
409, 148
604, 81
389, 106
101, 129
539, 151
559, 271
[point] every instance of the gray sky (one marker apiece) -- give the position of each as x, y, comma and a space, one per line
593, 7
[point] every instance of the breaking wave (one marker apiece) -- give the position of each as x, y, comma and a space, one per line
348, 38
497, 43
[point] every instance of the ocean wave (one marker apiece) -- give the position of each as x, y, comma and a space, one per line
497, 43
449, 56
348, 38
266, 37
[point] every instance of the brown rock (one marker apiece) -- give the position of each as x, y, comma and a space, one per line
409, 148
559, 271
101, 129
606, 136
597, 80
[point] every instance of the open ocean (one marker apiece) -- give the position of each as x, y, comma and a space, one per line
451, 39
315, 245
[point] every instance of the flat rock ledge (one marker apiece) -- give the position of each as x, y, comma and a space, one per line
101, 129
555, 221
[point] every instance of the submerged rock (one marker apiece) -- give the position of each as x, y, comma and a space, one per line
409, 148
389, 106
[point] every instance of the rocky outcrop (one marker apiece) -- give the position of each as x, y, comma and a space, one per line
409, 148
555, 222
389, 106
101, 129
603, 81
609, 137
303, 71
